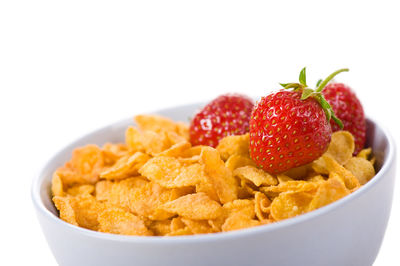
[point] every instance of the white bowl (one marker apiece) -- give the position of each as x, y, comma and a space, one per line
346, 232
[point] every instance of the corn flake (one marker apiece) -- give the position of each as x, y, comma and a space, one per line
57, 187
220, 176
126, 166
238, 221
361, 168
196, 206
290, 204
262, 206
198, 226
294, 186
234, 145
244, 206
300, 172
207, 187
283, 178
176, 150
365, 153
239, 214
84, 168
348, 178
193, 151
257, 176
170, 173
80, 189
315, 178
119, 193
118, 221
340, 149
160, 228
181, 232
236, 161
149, 142
148, 201
112, 152
247, 188
82, 210
158, 123
328, 192
67, 212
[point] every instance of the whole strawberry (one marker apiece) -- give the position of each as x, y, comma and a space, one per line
291, 128
349, 110
226, 115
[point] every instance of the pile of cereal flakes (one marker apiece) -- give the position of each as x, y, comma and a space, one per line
157, 183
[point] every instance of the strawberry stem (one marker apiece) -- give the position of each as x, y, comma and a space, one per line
329, 78
317, 93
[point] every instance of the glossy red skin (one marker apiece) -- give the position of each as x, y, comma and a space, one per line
287, 132
226, 115
348, 109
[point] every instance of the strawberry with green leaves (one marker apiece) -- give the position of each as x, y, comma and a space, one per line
291, 127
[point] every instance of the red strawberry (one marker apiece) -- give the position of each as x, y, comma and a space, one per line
349, 110
291, 128
226, 115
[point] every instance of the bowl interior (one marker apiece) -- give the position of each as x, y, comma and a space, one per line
376, 138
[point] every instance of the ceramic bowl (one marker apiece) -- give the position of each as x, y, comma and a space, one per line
346, 232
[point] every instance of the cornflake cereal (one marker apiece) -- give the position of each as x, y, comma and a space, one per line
157, 184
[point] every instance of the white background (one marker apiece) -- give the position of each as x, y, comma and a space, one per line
69, 67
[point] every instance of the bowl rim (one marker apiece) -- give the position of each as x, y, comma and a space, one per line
201, 238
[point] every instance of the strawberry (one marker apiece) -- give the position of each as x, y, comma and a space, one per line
291, 128
226, 115
349, 110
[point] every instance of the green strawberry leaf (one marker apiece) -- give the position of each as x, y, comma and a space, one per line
284, 84
318, 82
329, 111
307, 92
292, 85
337, 121
302, 77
